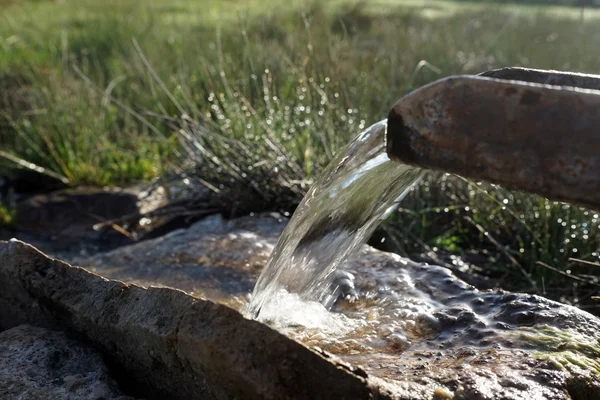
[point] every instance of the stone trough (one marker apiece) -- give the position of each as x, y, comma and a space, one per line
160, 319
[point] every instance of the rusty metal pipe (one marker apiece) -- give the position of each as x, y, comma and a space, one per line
531, 130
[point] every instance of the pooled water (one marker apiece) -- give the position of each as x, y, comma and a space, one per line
358, 189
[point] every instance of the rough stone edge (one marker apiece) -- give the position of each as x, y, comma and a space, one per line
173, 344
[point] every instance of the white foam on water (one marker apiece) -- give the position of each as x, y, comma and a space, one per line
287, 311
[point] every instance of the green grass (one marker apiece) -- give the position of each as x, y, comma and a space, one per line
253, 98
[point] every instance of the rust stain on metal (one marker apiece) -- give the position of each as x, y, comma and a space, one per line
530, 98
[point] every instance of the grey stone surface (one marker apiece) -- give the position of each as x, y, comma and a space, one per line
40, 364
171, 345
214, 258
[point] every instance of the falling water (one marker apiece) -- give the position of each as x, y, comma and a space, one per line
358, 189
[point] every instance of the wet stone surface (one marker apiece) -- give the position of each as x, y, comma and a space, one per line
215, 259
416, 327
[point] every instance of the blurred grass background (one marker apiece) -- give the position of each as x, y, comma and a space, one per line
253, 98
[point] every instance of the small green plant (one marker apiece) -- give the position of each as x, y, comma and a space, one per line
7, 216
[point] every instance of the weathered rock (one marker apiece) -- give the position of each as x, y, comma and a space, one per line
416, 328
171, 344
39, 364
216, 259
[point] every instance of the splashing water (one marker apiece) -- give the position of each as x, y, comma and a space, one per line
358, 189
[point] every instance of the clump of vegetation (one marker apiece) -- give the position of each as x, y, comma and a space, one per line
252, 102
7, 212
563, 348
508, 239
7, 218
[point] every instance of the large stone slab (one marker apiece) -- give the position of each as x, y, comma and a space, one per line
415, 327
39, 364
170, 344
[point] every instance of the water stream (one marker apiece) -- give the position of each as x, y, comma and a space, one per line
358, 189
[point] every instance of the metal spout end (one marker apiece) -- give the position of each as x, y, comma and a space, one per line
397, 141
523, 134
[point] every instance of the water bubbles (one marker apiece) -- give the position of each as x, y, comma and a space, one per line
286, 310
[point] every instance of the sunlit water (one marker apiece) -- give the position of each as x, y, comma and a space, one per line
359, 188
